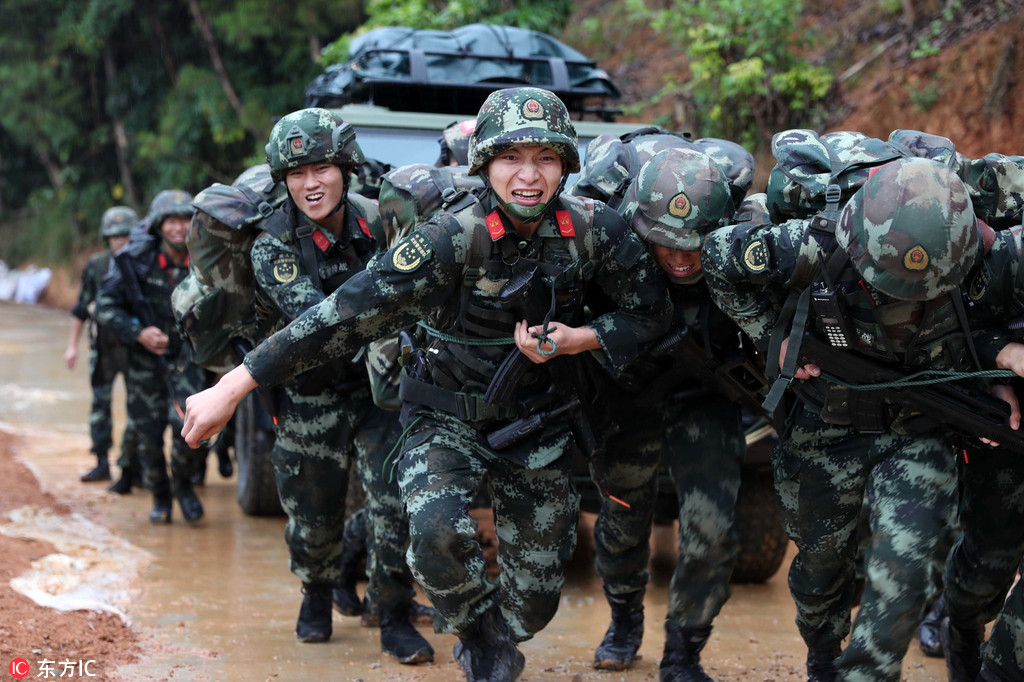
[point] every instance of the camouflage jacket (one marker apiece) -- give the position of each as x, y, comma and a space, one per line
284, 286
92, 280
995, 290
157, 275
750, 271
426, 273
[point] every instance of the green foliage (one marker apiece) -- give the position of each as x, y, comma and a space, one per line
890, 6
548, 16
747, 78
73, 75
924, 98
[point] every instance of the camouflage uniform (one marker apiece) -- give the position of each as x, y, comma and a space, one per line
454, 142
447, 268
824, 465
323, 416
668, 404
987, 556
157, 386
106, 354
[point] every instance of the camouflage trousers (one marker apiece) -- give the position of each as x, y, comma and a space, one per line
317, 436
986, 557
101, 423
444, 462
152, 408
822, 474
703, 447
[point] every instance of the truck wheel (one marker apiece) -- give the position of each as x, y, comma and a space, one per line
762, 540
254, 441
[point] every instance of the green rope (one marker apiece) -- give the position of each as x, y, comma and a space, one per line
541, 337
937, 376
389, 473
436, 333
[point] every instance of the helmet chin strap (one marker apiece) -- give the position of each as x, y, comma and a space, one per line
527, 214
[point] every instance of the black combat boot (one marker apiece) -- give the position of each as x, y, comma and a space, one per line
161, 512
821, 664
191, 507
225, 467
398, 638
100, 472
486, 652
123, 485
617, 650
420, 614
346, 601
314, 624
928, 633
963, 651
681, 660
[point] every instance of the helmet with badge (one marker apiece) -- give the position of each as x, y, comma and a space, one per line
910, 230
117, 221
517, 117
677, 197
167, 203
311, 136
454, 142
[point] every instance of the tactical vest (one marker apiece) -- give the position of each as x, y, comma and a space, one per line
507, 278
912, 335
329, 265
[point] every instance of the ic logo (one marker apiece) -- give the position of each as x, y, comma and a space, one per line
19, 668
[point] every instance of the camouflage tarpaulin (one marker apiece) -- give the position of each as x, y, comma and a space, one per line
390, 65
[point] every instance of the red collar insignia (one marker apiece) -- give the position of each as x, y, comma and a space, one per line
364, 227
494, 226
565, 226
321, 240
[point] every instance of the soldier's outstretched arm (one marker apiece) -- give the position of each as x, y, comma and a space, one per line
208, 412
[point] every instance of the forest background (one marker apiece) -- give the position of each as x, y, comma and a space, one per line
106, 102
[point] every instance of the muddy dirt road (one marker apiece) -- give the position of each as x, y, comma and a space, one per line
217, 602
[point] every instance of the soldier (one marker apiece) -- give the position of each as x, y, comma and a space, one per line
135, 302
669, 403
316, 240
888, 288
106, 354
987, 555
464, 274
454, 142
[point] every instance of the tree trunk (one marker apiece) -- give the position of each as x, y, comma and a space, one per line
218, 66
52, 169
120, 136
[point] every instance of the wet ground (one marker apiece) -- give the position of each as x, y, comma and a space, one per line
217, 602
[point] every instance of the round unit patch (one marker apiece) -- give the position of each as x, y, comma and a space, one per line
411, 253
755, 256
286, 267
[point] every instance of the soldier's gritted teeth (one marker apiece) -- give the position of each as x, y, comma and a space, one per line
678, 265
317, 189
528, 176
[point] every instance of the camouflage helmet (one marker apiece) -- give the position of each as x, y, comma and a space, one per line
169, 202
677, 197
454, 143
522, 116
117, 221
910, 230
311, 136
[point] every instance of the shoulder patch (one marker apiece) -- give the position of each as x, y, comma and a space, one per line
285, 267
755, 255
411, 253
978, 285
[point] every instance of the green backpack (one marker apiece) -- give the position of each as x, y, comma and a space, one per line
215, 304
